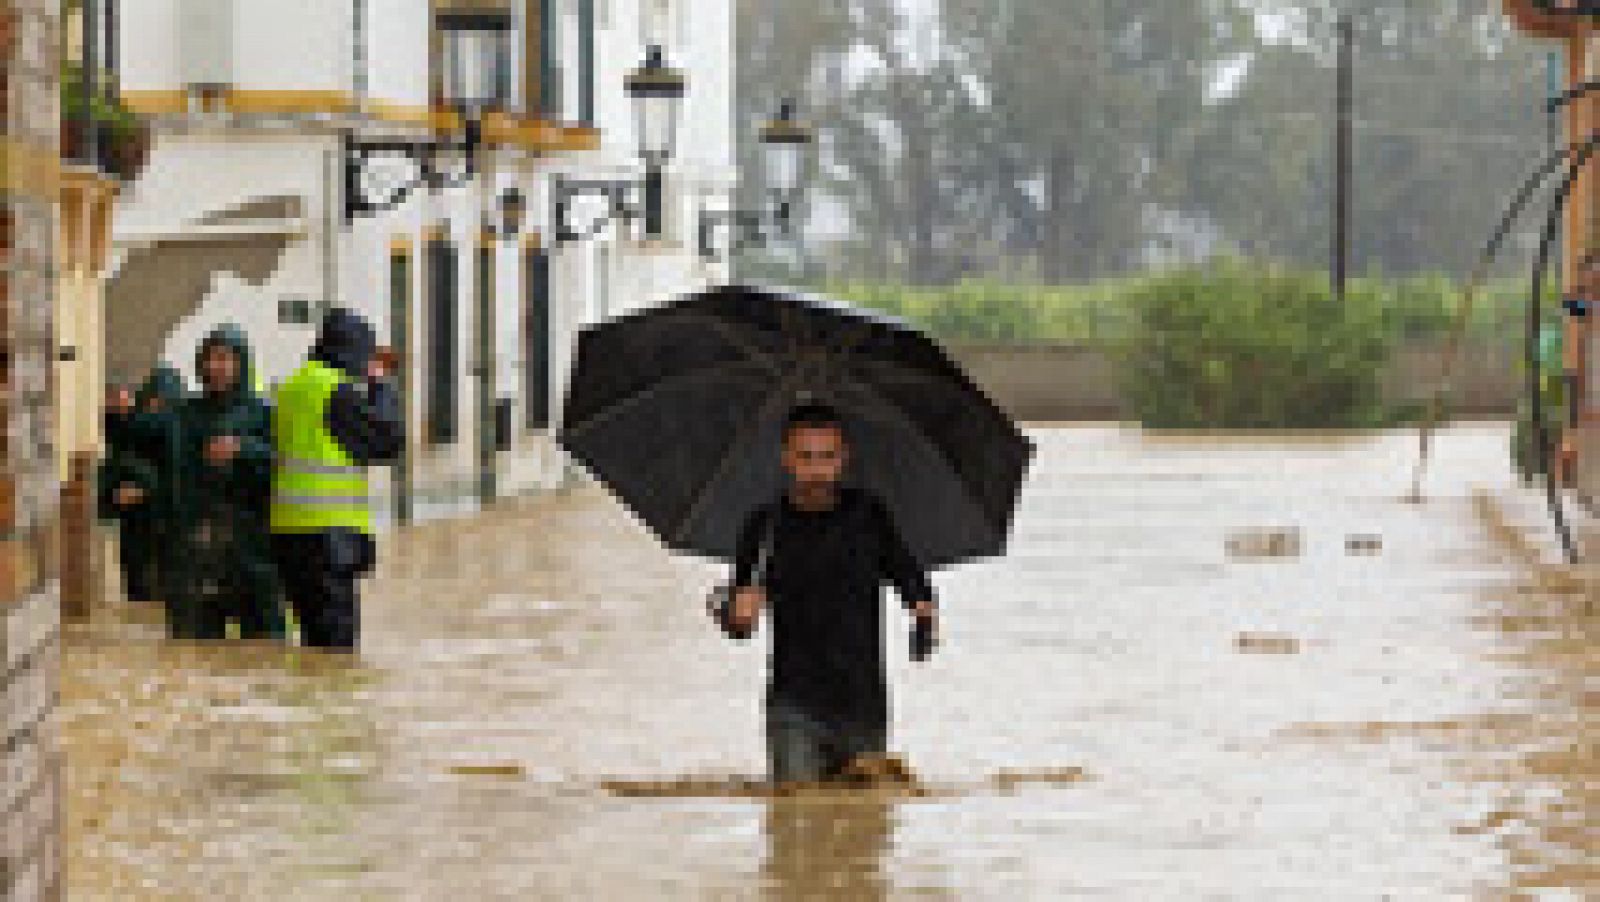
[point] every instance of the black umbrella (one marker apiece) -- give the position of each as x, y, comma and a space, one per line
679, 410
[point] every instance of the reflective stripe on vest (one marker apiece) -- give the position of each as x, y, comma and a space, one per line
315, 485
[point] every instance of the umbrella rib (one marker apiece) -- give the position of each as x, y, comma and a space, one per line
915, 430
909, 373
653, 390
734, 340
729, 455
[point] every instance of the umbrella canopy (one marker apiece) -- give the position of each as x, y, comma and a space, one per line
679, 409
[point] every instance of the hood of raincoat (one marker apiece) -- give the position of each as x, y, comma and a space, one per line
346, 342
165, 383
234, 338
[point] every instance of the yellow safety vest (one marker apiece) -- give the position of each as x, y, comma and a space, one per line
316, 486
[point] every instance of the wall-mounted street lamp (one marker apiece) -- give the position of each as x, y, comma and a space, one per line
381, 174
656, 89
786, 142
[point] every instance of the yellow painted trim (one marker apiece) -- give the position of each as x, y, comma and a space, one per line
289, 101
154, 103
27, 170
400, 112
499, 128
90, 181
537, 134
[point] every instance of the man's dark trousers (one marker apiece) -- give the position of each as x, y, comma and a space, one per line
804, 748
319, 572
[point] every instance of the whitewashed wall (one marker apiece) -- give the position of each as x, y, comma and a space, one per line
397, 52
148, 45
293, 45
306, 46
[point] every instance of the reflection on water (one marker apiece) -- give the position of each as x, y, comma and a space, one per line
828, 851
1128, 704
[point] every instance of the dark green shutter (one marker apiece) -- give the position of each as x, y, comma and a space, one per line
549, 68
400, 343
586, 63
442, 326
536, 336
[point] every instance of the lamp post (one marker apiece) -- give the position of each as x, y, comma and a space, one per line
656, 89
477, 81
787, 142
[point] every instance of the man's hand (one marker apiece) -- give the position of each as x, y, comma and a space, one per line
121, 401
128, 495
381, 364
924, 630
747, 603
222, 449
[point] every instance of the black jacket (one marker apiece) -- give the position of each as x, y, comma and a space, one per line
824, 593
364, 415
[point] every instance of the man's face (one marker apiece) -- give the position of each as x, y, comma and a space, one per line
219, 368
814, 454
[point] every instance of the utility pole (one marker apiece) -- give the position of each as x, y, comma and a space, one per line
1553, 90
1341, 213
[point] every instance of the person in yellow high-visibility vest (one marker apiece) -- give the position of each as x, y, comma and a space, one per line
331, 420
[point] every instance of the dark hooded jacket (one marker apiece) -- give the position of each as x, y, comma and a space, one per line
222, 509
136, 449
244, 483
364, 415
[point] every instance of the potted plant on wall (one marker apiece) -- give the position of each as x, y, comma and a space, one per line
122, 143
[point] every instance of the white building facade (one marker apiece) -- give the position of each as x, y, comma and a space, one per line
240, 214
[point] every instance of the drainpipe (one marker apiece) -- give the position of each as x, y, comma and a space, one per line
89, 79
113, 55
330, 271
358, 52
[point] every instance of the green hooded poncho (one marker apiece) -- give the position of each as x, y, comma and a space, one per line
224, 569
135, 453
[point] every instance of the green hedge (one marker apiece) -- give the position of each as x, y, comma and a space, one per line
1235, 347
1415, 308
1230, 344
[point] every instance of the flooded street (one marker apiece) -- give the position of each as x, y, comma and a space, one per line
1123, 707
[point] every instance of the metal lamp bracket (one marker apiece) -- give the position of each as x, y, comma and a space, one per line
620, 208
751, 228
425, 155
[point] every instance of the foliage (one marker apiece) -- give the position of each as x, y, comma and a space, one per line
1417, 308
1230, 344
987, 310
1235, 347
1526, 458
117, 120
1073, 139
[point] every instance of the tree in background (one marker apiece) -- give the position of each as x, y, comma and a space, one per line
1448, 117
1037, 140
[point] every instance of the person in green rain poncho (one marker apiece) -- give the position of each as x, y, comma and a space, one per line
1524, 445
223, 454
131, 490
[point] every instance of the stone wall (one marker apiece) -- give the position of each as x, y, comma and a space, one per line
30, 853
1071, 382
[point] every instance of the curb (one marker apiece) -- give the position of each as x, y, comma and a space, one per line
1520, 521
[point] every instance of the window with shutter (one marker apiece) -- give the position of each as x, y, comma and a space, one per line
536, 336
442, 325
586, 62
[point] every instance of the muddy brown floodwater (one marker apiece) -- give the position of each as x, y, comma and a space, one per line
1122, 707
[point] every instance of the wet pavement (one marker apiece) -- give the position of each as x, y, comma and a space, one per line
1127, 705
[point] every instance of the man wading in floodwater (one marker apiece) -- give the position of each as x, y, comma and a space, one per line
831, 548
